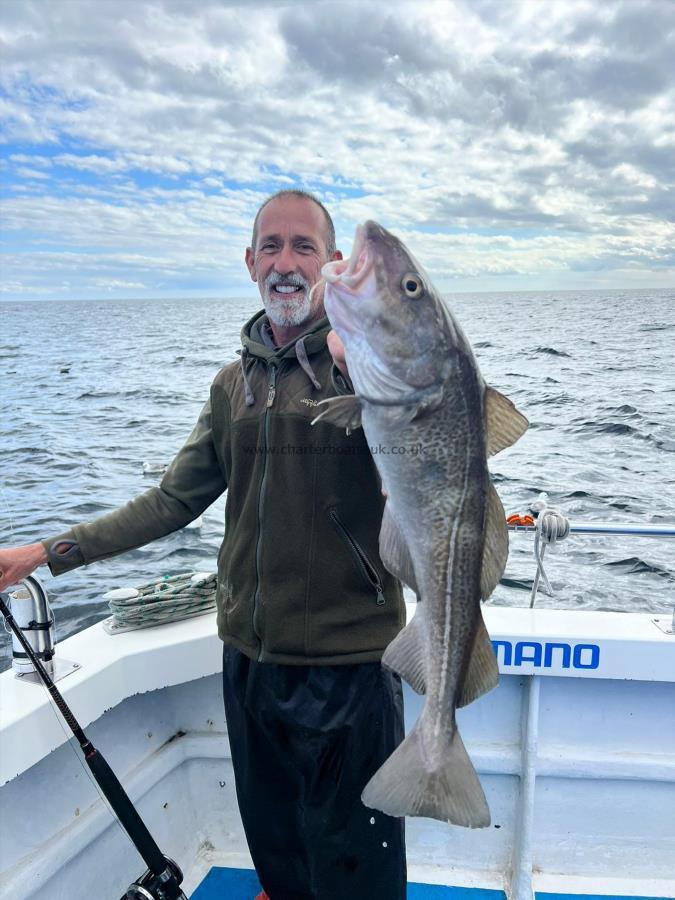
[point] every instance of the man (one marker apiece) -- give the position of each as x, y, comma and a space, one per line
305, 606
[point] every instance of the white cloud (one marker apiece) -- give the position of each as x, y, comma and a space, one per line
30, 174
475, 115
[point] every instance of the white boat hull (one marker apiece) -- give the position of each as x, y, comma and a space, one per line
576, 755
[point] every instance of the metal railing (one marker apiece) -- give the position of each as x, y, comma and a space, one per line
549, 526
608, 528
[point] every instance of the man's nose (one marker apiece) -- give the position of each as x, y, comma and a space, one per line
285, 261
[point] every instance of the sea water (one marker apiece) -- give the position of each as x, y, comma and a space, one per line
91, 390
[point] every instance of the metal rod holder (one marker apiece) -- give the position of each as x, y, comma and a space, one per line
31, 611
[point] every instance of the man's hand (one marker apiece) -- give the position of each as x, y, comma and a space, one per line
18, 562
337, 350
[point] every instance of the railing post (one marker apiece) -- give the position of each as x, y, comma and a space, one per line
522, 860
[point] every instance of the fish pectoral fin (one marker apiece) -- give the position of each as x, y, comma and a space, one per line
495, 544
503, 423
404, 786
405, 654
433, 398
344, 411
483, 672
394, 550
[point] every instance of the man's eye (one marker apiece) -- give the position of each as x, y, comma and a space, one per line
268, 246
306, 248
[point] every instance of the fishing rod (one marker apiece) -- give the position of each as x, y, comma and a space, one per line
163, 877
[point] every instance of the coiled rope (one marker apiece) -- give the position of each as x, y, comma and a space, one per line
171, 599
551, 526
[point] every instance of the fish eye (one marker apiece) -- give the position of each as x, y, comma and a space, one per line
412, 286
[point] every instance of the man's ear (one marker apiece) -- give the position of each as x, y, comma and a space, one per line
337, 255
250, 263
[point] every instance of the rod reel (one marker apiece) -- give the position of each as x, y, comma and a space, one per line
151, 887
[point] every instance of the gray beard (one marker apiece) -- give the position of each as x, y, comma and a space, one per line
293, 310
285, 313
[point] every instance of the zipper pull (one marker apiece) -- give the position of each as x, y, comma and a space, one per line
271, 386
381, 599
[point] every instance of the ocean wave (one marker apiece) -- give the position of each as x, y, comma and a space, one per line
545, 399
149, 394
634, 564
524, 584
625, 408
215, 365
25, 451
550, 351
620, 428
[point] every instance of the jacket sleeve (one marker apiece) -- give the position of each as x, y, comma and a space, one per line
191, 483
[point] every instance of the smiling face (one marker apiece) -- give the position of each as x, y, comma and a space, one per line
287, 259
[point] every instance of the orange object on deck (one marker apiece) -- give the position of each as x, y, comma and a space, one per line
518, 519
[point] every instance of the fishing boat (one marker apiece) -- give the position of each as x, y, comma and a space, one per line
575, 750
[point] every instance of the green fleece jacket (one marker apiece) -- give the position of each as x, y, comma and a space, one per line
300, 579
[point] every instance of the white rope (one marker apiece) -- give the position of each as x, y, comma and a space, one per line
170, 599
551, 527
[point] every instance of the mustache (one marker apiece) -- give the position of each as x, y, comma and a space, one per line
274, 278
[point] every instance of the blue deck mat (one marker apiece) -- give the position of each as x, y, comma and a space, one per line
242, 884
545, 896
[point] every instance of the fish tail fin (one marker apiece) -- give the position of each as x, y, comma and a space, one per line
404, 786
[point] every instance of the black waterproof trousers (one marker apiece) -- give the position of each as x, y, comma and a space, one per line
305, 740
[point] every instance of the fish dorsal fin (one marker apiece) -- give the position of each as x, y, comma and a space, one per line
483, 673
405, 654
503, 423
343, 411
495, 544
394, 550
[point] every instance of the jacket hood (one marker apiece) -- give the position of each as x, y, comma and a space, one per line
314, 339
305, 345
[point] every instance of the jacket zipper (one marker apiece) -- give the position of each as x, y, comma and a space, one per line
364, 564
271, 393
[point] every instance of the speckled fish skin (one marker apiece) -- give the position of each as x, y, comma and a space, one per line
422, 409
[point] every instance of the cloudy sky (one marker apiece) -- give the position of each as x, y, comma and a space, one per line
513, 145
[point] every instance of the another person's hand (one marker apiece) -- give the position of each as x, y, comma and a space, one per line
18, 562
337, 350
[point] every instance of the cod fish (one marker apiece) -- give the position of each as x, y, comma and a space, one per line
431, 423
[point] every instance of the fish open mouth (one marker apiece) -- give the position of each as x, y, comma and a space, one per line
353, 271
